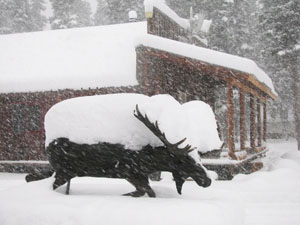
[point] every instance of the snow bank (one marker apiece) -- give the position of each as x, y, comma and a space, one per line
268, 197
162, 6
72, 58
99, 201
109, 118
206, 55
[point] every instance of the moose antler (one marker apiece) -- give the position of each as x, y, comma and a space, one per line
157, 132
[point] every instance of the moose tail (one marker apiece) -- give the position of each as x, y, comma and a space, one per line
39, 175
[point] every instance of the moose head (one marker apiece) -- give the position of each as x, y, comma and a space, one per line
180, 163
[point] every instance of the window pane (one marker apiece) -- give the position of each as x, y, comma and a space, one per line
18, 118
34, 118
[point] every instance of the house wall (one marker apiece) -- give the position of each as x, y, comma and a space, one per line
22, 134
163, 26
163, 76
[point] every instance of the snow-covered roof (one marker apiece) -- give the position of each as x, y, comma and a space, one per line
73, 58
207, 55
163, 7
94, 57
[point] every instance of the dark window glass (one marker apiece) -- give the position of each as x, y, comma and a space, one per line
18, 118
34, 118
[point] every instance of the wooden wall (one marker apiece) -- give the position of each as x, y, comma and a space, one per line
22, 115
163, 26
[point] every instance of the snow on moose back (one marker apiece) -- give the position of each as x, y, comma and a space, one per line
110, 118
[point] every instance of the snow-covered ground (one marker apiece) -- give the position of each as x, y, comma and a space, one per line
270, 196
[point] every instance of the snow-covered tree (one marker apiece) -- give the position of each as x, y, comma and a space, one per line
102, 15
280, 36
115, 11
70, 13
231, 30
21, 16
37, 19
6, 12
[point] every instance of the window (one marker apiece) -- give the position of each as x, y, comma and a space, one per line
34, 118
25, 118
18, 118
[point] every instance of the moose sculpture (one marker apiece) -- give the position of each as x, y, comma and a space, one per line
69, 160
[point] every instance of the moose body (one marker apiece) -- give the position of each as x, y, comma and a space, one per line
69, 160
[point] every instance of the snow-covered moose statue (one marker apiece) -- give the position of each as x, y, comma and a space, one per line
113, 136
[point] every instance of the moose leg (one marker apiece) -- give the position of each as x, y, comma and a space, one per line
68, 187
142, 186
61, 179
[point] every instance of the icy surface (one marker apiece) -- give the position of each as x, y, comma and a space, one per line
73, 58
207, 55
110, 118
162, 6
268, 197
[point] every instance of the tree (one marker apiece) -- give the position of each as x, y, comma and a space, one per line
6, 12
70, 13
21, 16
21, 20
102, 15
116, 11
280, 29
37, 19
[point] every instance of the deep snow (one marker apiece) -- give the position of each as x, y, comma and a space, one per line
94, 57
268, 197
110, 118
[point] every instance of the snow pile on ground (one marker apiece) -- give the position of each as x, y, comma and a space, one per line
110, 118
76, 58
99, 201
269, 197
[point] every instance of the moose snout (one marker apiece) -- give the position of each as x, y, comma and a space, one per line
207, 182
204, 182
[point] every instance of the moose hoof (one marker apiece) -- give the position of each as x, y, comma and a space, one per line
135, 194
151, 194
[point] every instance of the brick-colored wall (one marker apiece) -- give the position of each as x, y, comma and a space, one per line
28, 144
163, 26
160, 76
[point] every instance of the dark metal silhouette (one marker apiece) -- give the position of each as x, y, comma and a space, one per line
69, 160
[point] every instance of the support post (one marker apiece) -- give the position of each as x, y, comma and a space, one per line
230, 120
252, 123
259, 131
265, 122
68, 187
145, 77
242, 120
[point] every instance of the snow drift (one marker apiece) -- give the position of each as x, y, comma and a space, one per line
110, 118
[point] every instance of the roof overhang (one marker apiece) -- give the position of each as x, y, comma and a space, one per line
245, 81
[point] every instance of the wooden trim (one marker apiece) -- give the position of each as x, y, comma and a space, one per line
242, 120
230, 120
219, 72
252, 122
260, 149
146, 80
249, 90
259, 131
261, 86
264, 122
149, 26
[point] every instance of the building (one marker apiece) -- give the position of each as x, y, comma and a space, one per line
145, 57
